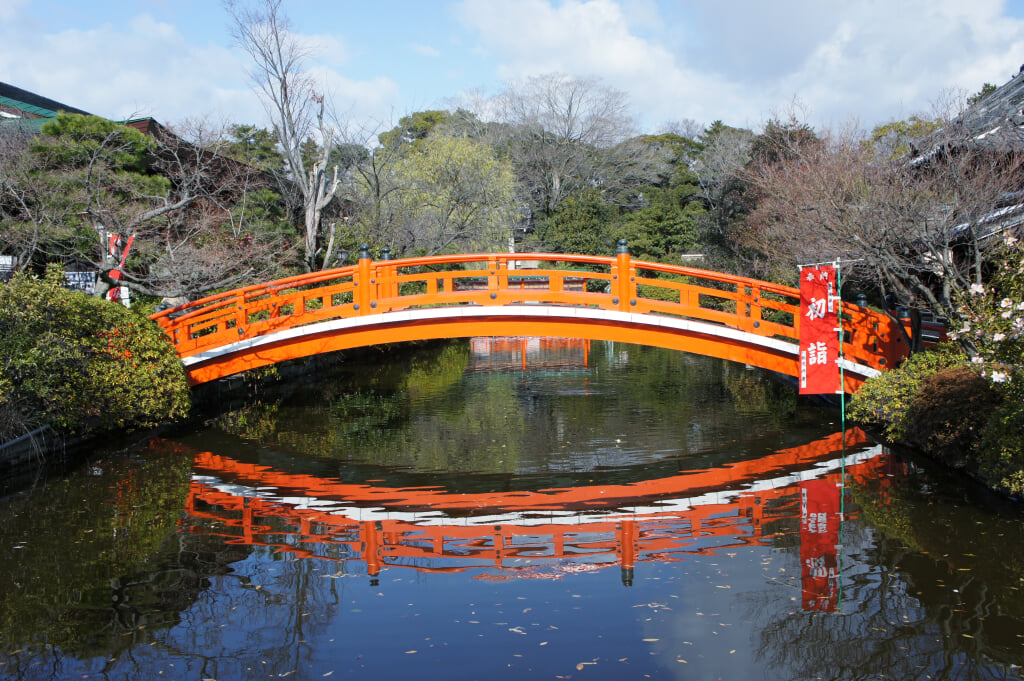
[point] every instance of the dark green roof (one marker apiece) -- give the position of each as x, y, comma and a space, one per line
31, 103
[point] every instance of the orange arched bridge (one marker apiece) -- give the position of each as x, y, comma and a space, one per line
514, 294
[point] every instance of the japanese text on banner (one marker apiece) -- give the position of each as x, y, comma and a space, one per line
819, 341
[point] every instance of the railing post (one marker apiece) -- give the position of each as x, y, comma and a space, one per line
623, 279
493, 279
753, 301
364, 284
241, 318
386, 286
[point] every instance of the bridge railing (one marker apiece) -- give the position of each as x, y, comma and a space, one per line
501, 279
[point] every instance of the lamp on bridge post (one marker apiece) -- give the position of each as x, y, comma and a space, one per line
862, 300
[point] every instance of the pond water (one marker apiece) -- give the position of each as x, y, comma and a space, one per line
511, 509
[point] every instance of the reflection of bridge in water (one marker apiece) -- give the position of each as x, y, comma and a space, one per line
485, 294
543, 534
503, 353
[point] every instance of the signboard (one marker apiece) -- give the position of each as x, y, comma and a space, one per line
81, 281
819, 340
7, 263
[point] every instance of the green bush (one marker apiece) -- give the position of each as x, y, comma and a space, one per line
885, 401
79, 363
949, 413
1001, 457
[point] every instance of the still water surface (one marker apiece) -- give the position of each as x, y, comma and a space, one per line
511, 509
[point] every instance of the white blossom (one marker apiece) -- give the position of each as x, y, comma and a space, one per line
998, 377
977, 289
998, 337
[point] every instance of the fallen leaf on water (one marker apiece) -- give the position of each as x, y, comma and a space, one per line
410, 652
651, 640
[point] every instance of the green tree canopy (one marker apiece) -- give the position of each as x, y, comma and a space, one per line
985, 91
253, 146
581, 225
457, 193
895, 139
414, 127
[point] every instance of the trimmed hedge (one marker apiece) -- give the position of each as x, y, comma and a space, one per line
81, 364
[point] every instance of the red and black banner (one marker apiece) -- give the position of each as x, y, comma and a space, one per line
819, 538
819, 340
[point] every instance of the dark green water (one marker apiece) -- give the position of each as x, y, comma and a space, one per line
595, 512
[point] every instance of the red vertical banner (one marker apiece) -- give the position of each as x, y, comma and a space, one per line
819, 339
819, 538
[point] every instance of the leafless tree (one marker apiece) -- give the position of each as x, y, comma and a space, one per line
918, 228
23, 211
562, 132
296, 110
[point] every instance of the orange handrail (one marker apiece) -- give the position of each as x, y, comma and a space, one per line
619, 284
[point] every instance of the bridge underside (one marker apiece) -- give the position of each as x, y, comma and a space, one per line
528, 320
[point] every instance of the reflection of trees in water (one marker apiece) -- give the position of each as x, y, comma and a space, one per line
280, 604
99, 566
904, 614
433, 417
200, 577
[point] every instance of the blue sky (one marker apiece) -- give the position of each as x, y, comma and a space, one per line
740, 61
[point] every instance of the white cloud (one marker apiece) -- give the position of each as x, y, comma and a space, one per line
148, 68
10, 10
425, 50
861, 59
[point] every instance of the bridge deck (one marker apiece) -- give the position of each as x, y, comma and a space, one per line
386, 301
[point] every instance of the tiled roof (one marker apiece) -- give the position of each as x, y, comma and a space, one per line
32, 104
1005, 105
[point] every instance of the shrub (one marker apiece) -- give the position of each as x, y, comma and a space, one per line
991, 316
79, 363
885, 401
1001, 456
949, 412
